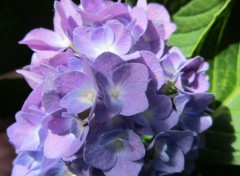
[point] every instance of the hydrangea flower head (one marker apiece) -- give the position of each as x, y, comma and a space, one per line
109, 96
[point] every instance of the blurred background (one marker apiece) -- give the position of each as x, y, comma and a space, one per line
16, 19
221, 157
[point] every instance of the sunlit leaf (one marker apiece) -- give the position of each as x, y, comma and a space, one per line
194, 21
222, 50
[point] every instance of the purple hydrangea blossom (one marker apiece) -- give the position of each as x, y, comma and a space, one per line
71, 86
82, 94
172, 63
34, 163
193, 78
194, 117
187, 75
33, 134
169, 148
118, 152
109, 96
120, 81
160, 116
27, 163
64, 130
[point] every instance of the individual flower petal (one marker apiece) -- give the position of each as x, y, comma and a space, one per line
124, 167
159, 15
78, 100
44, 39
111, 11
69, 81
75, 64
50, 97
57, 123
102, 113
53, 146
34, 99
106, 62
142, 4
132, 106
95, 6
139, 18
36, 75
156, 73
60, 59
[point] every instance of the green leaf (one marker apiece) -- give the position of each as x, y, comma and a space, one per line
221, 48
225, 82
194, 20
226, 87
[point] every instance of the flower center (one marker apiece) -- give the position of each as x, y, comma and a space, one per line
148, 114
163, 154
88, 97
118, 144
115, 91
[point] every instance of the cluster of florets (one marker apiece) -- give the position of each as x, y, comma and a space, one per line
109, 97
